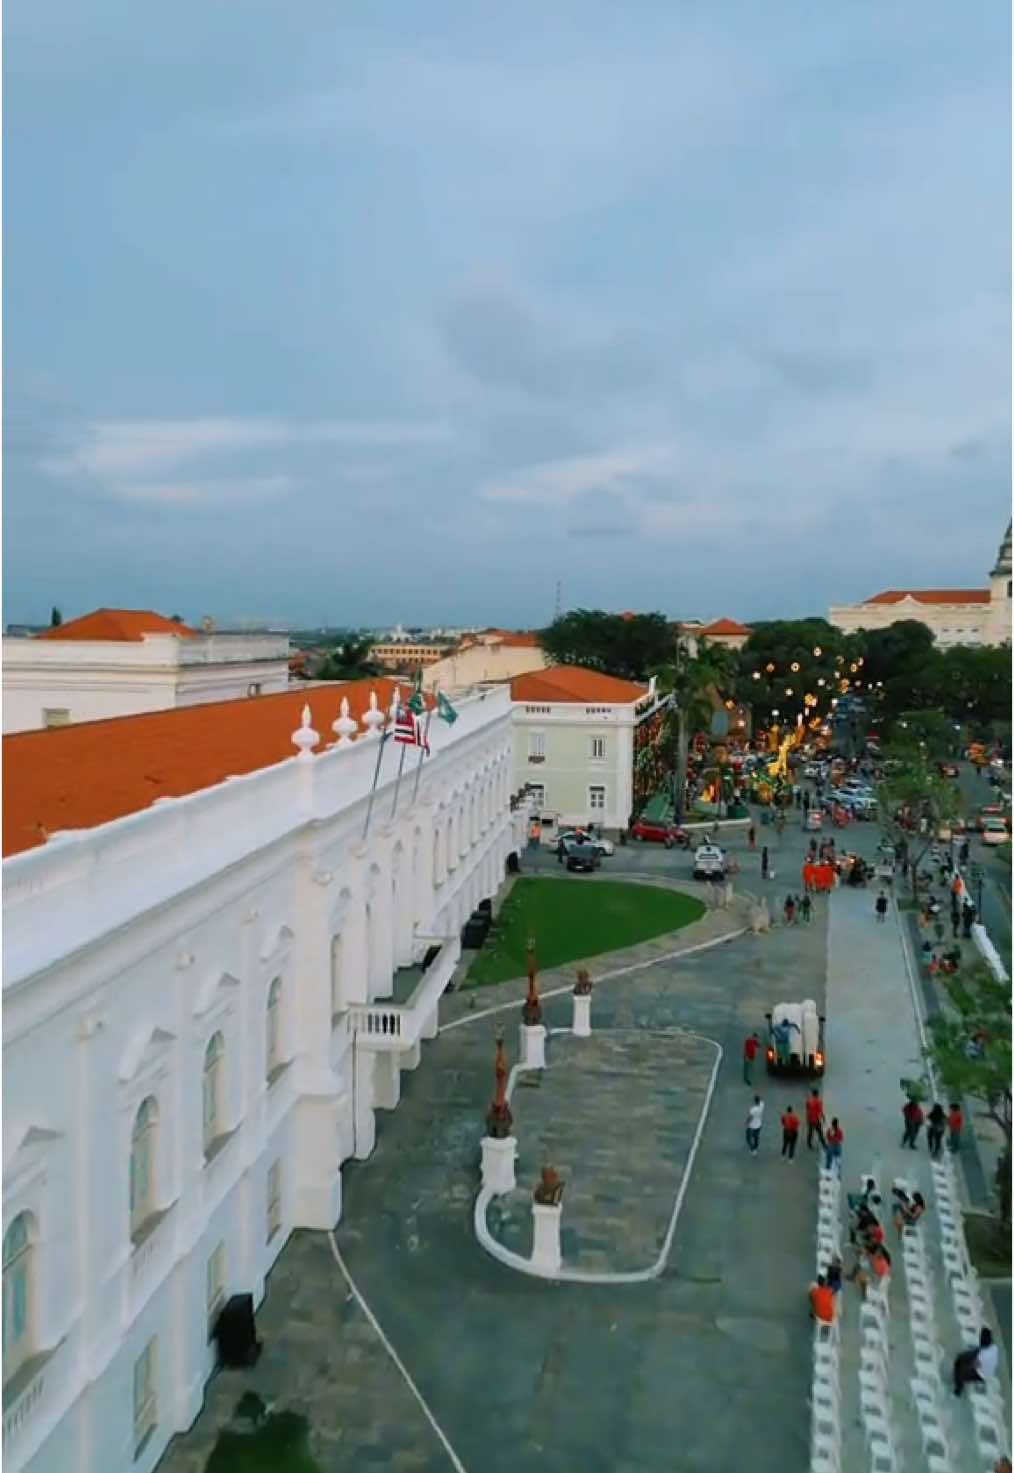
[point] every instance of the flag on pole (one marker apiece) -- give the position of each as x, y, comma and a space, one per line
408, 730
445, 710
416, 704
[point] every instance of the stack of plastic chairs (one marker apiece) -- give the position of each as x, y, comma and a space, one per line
825, 1437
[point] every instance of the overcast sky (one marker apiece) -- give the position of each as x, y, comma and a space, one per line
368, 311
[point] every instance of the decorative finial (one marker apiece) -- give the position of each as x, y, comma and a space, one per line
346, 726
305, 738
531, 1012
583, 985
498, 1117
374, 719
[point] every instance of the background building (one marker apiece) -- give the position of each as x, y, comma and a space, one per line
725, 632
955, 615
491, 657
118, 662
212, 982
407, 652
574, 738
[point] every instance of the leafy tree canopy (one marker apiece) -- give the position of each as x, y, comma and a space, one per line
629, 646
931, 730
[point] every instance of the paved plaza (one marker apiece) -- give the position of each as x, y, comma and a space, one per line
707, 1364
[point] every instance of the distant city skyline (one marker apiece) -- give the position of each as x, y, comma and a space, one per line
415, 313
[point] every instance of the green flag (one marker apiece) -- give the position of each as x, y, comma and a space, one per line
416, 704
445, 710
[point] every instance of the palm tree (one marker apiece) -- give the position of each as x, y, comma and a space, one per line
693, 682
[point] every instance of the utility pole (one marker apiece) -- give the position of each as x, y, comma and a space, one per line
558, 604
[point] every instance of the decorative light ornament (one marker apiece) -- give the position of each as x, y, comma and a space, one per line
788, 690
770, 669
817, 651
853, 668
821, 680
794, 667
756, 675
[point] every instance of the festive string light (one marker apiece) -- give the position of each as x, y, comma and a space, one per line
769, 669
756, 675
794, 667
817, 651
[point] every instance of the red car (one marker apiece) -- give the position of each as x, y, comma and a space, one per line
655, 831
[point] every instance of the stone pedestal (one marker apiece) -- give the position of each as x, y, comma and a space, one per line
582, 1014
498, 1157
546, 1237
532, 1045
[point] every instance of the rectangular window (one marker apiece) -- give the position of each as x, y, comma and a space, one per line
598, 749
55, 716
254, 689
274, 1198
145, 1395
536, 746
596, 799
215, 1285
537, 794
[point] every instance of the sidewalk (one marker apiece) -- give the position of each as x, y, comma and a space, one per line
872, 1043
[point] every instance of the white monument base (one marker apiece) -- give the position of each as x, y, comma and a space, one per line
532, 1045
498, 1159
546, 1237
582, 1015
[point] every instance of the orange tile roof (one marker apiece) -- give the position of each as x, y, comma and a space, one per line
574, 683
932, 596
76, 777
516, 638
724, 626
118, 624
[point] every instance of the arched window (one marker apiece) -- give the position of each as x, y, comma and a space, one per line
274, 1027
18, 1294
214, 1074
143, 1143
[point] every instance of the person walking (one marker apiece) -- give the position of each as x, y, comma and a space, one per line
935, 1122
750, 1047
955, 922
790, 910
967, 917
806, 907
754, 1121
834, 1143
913, 1117
764, 862
881, 908
751, 837
790, 1133
814, 1118
955, 1121
977, 1364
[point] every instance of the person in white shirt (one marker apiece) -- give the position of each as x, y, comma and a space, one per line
977, 1364
754, 1121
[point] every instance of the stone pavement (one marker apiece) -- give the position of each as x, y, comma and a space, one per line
872, 1043
596, 1095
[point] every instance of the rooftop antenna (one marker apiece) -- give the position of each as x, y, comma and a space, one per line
558, 605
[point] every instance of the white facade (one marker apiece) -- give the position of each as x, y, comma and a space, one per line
579, 758
195, 1039
487, 661
59, 682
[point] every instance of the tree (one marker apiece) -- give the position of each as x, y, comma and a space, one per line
55, 618
970, 1048
931, 730
627, 645
349, 660
175, 618
787, 660
914, 800
906, 644
692, 682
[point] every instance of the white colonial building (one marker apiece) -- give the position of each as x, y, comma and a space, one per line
207, 1001
489, 658
955, 615
118, 662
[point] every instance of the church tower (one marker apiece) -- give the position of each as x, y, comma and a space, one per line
998, 617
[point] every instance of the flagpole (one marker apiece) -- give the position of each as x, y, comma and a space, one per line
425, 743
397, 785
376, 771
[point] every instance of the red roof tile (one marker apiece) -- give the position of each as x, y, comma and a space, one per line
723, 626
76, 777
932, 596
118, 624
575, 684
516, 638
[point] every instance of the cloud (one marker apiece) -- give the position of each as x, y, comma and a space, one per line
819, 372
211, 494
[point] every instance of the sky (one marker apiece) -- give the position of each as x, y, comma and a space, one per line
363, 312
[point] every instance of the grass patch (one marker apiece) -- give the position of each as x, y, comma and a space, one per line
988, 1247
278, 1444
571, 919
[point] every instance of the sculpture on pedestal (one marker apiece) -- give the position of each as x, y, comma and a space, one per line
531, 1012
583, 985
549, 1188
499, 1120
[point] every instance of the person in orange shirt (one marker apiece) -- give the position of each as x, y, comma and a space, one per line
878, 1267
822, 1301
814, 1118
790, 1133
955, 1121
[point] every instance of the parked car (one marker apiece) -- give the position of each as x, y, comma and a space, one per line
986, 812
709, 863
994, 831
582, 836
582, 857
655, 831
814, 820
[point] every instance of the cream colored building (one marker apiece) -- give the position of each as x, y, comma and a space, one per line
494, 656
574, 733
955, 615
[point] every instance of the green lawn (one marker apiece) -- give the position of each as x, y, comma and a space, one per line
576, 918
988, 1246
277, 1444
